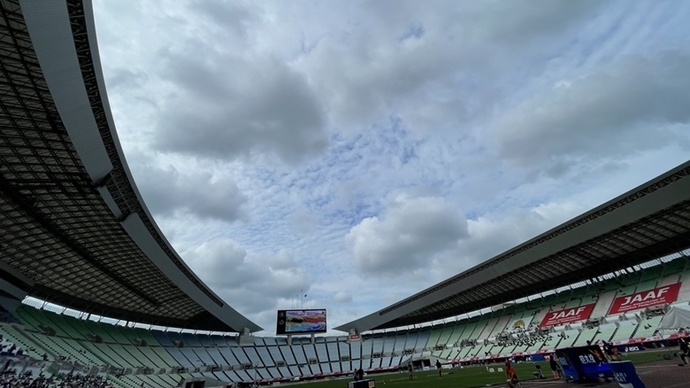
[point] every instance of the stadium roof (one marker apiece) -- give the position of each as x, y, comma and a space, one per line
646, 223
75, 230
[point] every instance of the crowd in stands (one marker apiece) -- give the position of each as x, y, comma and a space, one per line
523, 337
26, 380
530, 339
67, 358
8, 348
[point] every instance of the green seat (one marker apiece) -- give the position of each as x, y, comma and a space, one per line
674, 267
579, 292
611, 285
646, 285
653, 273
631, 279
563, 297
548, 301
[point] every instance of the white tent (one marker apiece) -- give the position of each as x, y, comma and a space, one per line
678, 317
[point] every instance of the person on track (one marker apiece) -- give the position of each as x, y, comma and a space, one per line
684, 350
554, 367
513, 381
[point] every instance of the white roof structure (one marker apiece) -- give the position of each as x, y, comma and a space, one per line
75, 230
646, 223
677, 318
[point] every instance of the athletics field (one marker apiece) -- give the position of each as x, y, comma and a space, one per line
651, 366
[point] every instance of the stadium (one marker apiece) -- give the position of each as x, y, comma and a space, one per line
77, 234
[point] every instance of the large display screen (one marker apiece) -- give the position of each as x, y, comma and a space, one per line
301, 321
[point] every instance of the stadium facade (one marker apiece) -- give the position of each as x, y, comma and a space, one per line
76, 233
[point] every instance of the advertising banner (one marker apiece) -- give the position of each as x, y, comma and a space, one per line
573, 314
630, 348
674, 336
644, 299
637, 341
625, 374
584, 363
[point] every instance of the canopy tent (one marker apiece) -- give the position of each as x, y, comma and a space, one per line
677, 318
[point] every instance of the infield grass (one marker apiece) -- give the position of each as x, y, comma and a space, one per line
474, 376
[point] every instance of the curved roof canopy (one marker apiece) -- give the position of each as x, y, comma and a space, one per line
648, 222
73, 222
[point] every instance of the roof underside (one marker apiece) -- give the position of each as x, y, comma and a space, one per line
56, 228
646, 223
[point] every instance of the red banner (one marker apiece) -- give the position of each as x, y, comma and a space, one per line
644, 299
573, 314
678, 335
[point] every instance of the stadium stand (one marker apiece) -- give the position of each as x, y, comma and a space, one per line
625, 329
106, 257
129, 356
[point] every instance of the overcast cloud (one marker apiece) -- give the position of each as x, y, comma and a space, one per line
408, 235
357, 152
635, 104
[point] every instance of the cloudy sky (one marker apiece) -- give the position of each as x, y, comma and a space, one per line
360, 151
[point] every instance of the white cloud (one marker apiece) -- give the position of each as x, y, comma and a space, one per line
304, 121
169, 192
241, 107
202, 195
367, 72
636, 105
342, 297
406, 236
252, 283
493, 234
